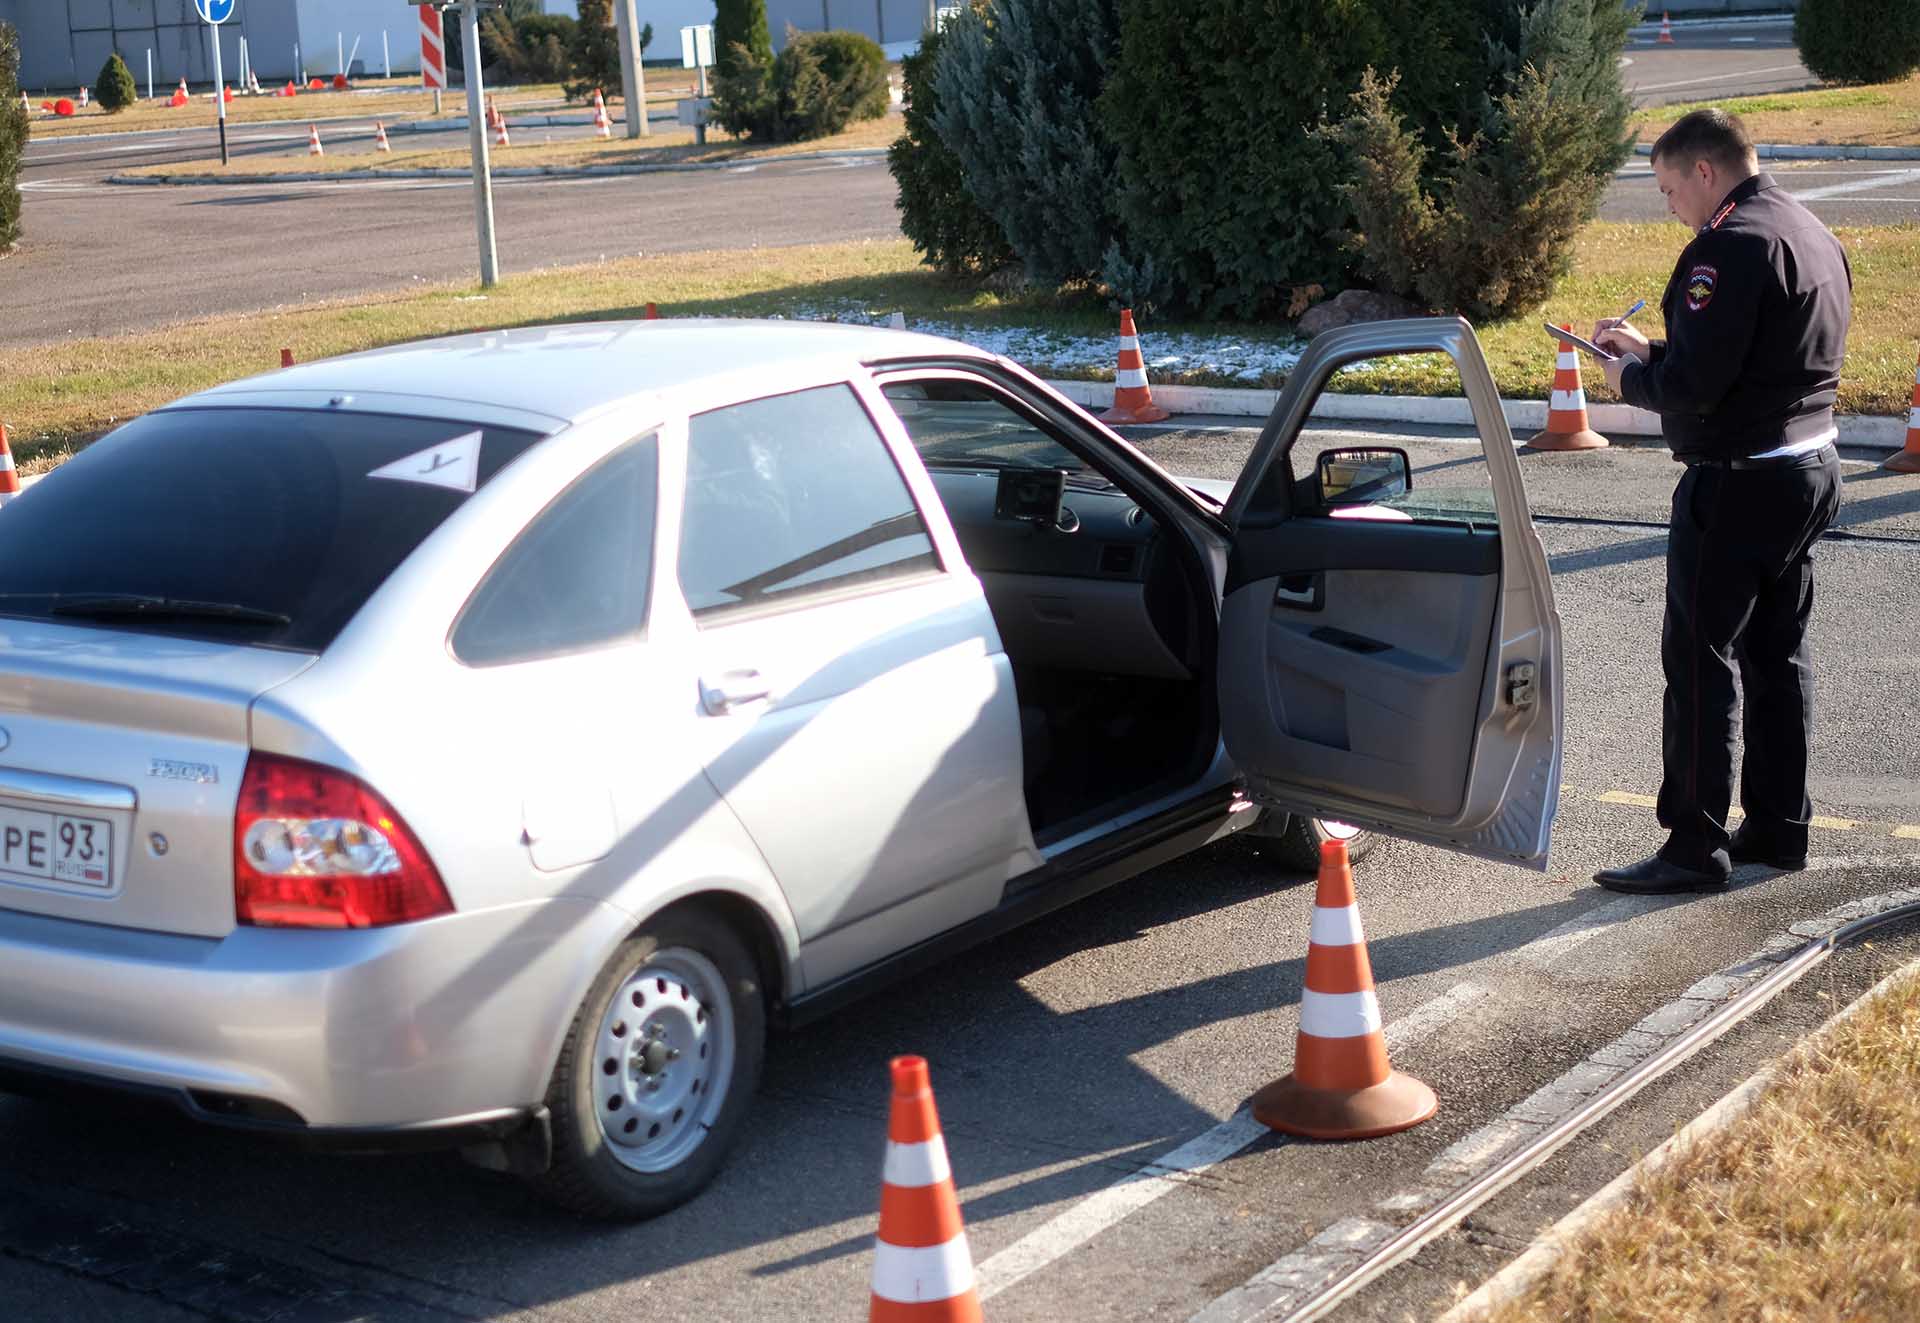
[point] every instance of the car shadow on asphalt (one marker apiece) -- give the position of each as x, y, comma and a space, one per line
1043, 1104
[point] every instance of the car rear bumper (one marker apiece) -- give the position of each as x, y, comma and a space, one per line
423, 1034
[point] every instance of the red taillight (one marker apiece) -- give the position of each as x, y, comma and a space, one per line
316, 848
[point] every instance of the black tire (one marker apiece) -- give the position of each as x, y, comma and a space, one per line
1297, 848
598, 1175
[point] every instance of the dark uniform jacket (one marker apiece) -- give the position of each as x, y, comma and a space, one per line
1757, 314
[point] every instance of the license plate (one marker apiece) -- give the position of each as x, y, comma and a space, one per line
56, 847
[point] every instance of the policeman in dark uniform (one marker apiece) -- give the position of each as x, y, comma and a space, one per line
1756, 315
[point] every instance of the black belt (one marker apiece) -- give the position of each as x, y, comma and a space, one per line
1812, 459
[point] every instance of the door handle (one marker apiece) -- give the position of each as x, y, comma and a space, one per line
733, 689
1301, 590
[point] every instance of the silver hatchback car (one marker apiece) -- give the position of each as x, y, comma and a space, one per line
481, 742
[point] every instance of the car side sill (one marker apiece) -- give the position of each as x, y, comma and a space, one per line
1074, 876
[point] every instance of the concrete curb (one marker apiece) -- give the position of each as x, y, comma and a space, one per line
498, 172
412, 126
1787, 151
1524, 1273
1857, 431
1731, 20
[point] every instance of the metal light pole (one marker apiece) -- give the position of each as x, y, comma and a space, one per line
633, 79
477, 134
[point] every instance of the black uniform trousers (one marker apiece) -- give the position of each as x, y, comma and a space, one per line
1739, 591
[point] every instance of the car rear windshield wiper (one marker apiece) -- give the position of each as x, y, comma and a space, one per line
138, 606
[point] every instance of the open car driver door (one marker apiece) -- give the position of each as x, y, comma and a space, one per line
1383, 664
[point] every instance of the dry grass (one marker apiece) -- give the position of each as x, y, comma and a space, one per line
669, 144
54, 397
1878, 115
1807, 1209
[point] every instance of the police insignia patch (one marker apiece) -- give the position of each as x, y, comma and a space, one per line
1700, 283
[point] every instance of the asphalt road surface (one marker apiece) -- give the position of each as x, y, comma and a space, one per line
1069, 1055
1713, 61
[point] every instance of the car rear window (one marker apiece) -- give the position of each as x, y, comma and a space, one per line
273, 512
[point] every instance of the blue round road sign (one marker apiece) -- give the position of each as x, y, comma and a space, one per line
215, 11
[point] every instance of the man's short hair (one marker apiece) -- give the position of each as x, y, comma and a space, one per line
1709, 135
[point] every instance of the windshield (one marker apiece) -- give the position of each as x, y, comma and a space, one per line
266, 526
959, 424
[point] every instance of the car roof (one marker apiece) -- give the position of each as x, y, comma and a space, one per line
567, 372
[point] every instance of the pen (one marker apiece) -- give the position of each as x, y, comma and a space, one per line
1622, 318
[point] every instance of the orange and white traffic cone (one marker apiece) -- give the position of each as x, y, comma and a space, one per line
602, 126
180, 97
380, 143
1132, 397
500, 138
313, 141
1567, 427
653, 313
286, 358
922, 1269
26, 101
1666, 30
83, 98
9, 480
1907, 459
1341, 1086
289, 89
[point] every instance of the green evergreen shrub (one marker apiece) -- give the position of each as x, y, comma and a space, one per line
114, 88
814, 88
13, 136
1018, 86
1858, 41
593, 54
948, 228
740, 23
1489, 232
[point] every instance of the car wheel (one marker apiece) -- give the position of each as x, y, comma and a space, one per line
658, 1070
1298, 847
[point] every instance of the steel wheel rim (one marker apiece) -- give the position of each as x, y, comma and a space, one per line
663, 1059
1336, 831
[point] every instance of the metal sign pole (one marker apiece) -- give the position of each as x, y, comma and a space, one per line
477, 133
633, 78
219, 89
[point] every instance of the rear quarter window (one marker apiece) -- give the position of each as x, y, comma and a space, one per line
271, 510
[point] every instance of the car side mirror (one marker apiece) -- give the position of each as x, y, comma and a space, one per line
1360, 476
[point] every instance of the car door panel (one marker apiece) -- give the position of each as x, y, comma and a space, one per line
1397, 674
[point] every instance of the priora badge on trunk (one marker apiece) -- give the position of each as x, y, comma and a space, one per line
168, 769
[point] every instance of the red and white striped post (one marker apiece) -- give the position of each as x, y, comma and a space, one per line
433, 54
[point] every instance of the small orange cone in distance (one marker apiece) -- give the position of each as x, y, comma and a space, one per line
1341, 1086
922, 1269
179, 97
1666, 30
9, 479
380, 143
289, 89
1907, 459
313, 141
1132, 397
653, 313
1567, 426
602, 126
286, 358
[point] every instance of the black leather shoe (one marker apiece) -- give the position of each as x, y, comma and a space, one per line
1742, 849
1658, 877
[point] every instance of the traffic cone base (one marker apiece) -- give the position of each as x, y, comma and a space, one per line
1341, 1085
1583, 439
1132, 397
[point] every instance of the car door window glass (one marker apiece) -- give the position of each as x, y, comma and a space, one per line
1450, 481
792, 496
577, 577
963, 424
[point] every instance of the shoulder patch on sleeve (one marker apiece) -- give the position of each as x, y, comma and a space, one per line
1701, 282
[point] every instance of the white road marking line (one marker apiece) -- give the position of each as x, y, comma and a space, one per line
1079, 1224
1582, 928
1719, 78
1883, 179
1743, 38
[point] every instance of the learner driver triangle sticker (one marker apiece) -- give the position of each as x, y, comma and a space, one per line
453, 464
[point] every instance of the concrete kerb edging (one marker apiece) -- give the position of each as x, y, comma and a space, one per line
1787, 151
450, 124
1859, 431
1531, 1268
498, 172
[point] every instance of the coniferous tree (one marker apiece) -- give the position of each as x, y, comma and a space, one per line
741, 23
13, 136
114, 88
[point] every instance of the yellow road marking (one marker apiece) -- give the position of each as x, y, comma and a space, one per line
1906, 833
1627, 797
